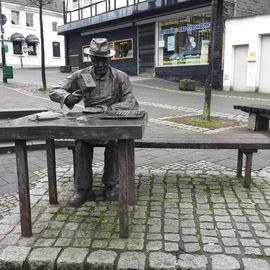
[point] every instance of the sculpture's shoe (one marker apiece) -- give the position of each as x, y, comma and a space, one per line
81, 197
111, 194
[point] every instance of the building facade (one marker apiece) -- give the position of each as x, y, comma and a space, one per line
247, 54
164, 38
168, 39
22, 34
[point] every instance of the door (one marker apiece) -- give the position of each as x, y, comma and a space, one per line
147, 48
264, 81
240, 68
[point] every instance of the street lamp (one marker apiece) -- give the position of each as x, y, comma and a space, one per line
2, 22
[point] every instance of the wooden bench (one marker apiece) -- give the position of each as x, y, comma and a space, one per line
258, 118
245, 142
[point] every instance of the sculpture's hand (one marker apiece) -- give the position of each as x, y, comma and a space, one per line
72, 100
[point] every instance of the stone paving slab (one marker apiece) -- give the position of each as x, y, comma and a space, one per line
193, 216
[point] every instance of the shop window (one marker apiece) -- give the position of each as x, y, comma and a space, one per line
185, 40
54, 26
56, 49
123, 50
31, 48
15, 17
29, 19
17, 47
85, 55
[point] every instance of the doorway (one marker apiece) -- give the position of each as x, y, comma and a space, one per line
146, 46
240, 68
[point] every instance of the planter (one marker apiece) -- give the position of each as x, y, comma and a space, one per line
65, 69
187, 85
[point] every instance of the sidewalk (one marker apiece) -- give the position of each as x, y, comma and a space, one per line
191, 212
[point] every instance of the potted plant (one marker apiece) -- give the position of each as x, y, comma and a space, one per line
187, 85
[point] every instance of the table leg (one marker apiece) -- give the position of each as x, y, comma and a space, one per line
23, 186
123, 187
131, 173
50, 149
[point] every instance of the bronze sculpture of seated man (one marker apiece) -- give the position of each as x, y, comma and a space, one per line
101, 87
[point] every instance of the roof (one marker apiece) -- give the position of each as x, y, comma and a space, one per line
56, 5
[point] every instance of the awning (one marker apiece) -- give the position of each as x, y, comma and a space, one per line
17, 37
32, 39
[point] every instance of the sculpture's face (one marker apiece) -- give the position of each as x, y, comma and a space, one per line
100, 65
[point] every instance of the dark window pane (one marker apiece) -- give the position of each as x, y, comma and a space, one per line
17, 47
31, 48
56, 49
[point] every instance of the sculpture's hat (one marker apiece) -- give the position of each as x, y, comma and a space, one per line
100, 47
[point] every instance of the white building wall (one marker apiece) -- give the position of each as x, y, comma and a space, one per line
244, 31
49, 36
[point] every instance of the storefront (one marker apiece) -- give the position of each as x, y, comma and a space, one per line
247, 55
172, 45
182, 46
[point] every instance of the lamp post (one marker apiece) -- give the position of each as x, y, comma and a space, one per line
2, 42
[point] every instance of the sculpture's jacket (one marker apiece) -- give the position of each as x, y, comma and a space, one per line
113, 90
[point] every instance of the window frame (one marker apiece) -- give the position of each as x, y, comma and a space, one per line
31, 20
54, 26
17, 17
19, 43
56, 42
34, 44
115, 43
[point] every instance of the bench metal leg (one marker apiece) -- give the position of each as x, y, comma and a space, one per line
123, 187
257, 122
23, 185
249, 155
239, 163
50, 149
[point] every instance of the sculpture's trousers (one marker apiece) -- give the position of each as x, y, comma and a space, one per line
84, 150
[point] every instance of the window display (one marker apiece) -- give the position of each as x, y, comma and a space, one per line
123, 50
185, 40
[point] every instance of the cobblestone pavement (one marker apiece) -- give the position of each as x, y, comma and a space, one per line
193, 216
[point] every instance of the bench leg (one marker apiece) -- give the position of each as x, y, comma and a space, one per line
249, 155
257, 122
239, 163
23, 186
50, 149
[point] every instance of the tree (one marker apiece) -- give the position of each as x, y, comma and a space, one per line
41, 4
217, 8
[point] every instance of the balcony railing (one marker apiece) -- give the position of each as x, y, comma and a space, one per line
80, 9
